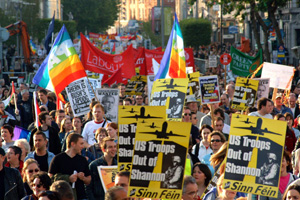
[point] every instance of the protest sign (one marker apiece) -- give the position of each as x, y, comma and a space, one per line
212, 61
136, 85
279, 75
244, 65
150, 80
254, 155
170, 93
96, 83
128, 118
109, 98
79, 97
159, 159
263, 88
193, 86
107, 175
209, 88
244, 93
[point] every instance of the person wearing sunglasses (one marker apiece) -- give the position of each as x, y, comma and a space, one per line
38, 182
216, 140
30, 168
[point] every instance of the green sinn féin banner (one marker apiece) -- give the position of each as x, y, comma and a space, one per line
244, 65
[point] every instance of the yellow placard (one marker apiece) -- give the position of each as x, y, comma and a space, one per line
107, 175
136, 85
158, 163
244, 93
170, 93
127, 121
193, 86
254, 155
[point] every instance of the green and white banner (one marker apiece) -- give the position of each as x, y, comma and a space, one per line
244, 65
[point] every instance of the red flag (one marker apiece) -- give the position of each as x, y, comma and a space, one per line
140, 61
149, 54
98, 61
158, 49
245, 47
189, 58
60, 101
116, 78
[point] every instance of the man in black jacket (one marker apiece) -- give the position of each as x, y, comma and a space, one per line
11, 184
42, 94
50, 132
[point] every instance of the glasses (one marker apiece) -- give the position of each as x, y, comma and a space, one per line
38, 185
139, 98
215, 141
35, 170
186, 114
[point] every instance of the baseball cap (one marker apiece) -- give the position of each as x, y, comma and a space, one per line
191, 99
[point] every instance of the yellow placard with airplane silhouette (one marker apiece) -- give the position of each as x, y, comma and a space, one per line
170, 93
254, 155
136, 85
129, 116
193, 86
244, 93
159, 159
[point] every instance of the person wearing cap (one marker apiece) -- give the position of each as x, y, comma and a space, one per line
193, 104
280, 107
11, 184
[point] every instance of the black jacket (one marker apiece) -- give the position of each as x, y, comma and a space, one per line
13, 184
54, 142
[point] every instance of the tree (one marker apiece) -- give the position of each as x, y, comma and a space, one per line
239, 7
196, 32
92, 15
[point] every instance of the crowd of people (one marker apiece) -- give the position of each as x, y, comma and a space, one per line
60, 158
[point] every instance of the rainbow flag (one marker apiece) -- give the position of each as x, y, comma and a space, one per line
7, 100
32, 47
61, 67
37, 110
173, 62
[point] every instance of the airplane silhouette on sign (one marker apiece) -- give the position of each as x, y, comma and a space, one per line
170, 86
142, 115
153, 126
163, 133
247, 121
258, 130
131, 111
246, 84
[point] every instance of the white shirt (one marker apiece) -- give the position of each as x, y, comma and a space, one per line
89, 131
256, 114
202, 150
226, 129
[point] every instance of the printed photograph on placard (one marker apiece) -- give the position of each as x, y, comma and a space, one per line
109, 98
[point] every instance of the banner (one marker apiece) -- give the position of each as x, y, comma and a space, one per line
97, 61
209, 88
244, 65
158, 163
129, 116
263, 88
254, 155
109, 98
170, 93
244, 93
140, 61
136, 85
189, 58
107, 175
79, 97
149, 54
279, 75
193, 86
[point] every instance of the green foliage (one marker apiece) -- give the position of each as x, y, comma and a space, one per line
196, 32
147, 33
43, 25
92, 15
191, 2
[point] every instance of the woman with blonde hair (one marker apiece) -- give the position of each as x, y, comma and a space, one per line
224, 194
30, 168
217, 158
65, 127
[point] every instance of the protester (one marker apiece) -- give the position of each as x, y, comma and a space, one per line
49, 195
292, 192
7, 134
14, 158
77, 125
24, 145
96, 149
65, 127
63, 188
203, 148
30, 168
264, 107
223, 193
202, 175
122, 179
190, 189
95, 189
116, 193
77, 171
40, 153
112, 130
42, 95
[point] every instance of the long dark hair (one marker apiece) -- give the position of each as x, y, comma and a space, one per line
203, 168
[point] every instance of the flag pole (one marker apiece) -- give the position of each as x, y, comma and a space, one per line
92, 88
